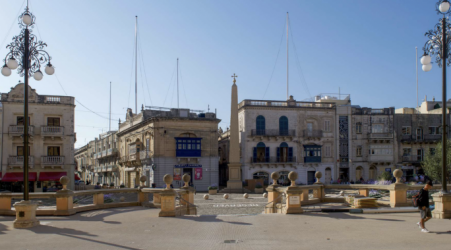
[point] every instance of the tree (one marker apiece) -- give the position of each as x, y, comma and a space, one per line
432, 162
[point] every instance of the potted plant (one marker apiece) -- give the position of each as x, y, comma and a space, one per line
212, 190
258, 188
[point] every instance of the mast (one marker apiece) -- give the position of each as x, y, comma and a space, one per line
110, 109
416, 59
136, 65
287, 56
178, 83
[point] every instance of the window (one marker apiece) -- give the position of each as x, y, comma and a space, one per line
434, 131
359, 151
381, 151
53, 151
53, 121
327, 125
283, 125
419, 133
406, 151
20, 150
260, 125
310, 127
327, 151
21, 122
377, 128
285, 153
188, 147
406, 130
148, 144
358, 128
260, 153
312, 153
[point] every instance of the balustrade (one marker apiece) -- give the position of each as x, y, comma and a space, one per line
52, 130
52, 160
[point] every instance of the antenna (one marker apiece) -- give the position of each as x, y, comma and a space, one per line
110, 109
178, 84
136, 65
287, 56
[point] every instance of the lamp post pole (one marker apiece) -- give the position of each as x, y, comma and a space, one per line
26, 121
437, 46
26, 46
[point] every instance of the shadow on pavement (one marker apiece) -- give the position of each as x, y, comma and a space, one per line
3, 228
211, 218
345, 216
447, 232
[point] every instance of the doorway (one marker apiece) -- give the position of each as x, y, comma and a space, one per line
189, 171
328, 175
344, 175
310, 177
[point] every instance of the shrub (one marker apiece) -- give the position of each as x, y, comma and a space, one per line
258, 185
111, 184
386, 176
212, 188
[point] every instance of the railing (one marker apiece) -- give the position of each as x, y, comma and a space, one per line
423, 138
52, 160
312, 133
52, 130
274, 160
19, 129
52, 99
285, 104
273, 132
110, 151
381, 135
412, 158
312, 159
103, 153
433, 137
18, 160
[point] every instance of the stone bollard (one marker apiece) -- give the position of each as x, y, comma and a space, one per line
273, 195
398, 191
319, 193
25, 214
64, 199
293, 203
143, 198
188, 196
167, 197
442, 205
5, 202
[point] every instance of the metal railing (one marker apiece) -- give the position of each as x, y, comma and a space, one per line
412, 158
273, 132
52, 130
274, 159
52, 160
380, 135
312, 133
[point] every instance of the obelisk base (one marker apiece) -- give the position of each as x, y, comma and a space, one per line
234, 184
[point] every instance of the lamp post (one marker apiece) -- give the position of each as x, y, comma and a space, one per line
30, 55
438, 46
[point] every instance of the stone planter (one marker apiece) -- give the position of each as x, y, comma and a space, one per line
212, 192
258, 190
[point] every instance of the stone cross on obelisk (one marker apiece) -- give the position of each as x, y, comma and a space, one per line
234, 184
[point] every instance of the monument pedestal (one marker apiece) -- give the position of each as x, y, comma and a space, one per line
442, 206
234, 184
25, 214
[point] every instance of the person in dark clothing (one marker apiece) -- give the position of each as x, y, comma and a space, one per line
423, 206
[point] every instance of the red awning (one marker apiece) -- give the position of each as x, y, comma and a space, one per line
51, 176
12, 177
77, 178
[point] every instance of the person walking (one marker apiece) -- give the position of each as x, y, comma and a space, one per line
423, 206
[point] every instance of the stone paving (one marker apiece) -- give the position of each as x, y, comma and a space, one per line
136, 228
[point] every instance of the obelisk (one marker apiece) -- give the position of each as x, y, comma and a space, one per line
234, 184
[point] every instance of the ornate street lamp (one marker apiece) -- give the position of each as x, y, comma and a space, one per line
438, 46
27, 55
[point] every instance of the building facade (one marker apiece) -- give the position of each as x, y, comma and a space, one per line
52, 139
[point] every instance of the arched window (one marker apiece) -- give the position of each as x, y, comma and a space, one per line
261, 125
285, 153
261, 153
359, 173
283, 145
283, 125
372, 174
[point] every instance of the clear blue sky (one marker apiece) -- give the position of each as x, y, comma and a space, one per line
367, 48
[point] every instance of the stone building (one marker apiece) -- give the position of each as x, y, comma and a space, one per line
366, 144
173, 141
81, 162
284, 136
52, 139
223, 151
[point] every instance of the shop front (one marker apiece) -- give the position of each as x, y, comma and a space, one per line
50, 181
13, 181
193, 170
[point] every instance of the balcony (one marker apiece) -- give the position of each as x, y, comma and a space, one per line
272, 132
52, 160
381, 135
433, 137
426, 138
412, 158
18, 160
18, 129
312, 133
145, 154
274, 160
52, 131
104, 153
111, 151
111, 168
309, 159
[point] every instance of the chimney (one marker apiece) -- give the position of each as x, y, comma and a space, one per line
425, 98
